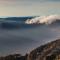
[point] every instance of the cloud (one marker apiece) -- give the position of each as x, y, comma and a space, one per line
43, 19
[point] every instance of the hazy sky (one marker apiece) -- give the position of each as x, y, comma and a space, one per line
29, 7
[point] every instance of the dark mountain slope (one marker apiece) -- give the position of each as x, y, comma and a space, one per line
48, 51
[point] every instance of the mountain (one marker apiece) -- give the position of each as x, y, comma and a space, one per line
29, 22
14, 22
17, 18
14, 57
49, 51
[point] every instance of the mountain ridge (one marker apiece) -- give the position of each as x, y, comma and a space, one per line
49, 51
43, 51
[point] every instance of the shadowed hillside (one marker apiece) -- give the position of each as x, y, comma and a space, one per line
14, 57
49, 51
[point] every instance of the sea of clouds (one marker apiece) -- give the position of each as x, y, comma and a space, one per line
43, 19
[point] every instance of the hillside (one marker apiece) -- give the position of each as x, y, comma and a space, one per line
49, 51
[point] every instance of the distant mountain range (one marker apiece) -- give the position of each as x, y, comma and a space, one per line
17, 18
19, 22
14, 22
49, 51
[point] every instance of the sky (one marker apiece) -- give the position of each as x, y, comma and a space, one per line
29, 7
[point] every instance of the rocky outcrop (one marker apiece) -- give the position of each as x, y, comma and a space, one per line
50, 51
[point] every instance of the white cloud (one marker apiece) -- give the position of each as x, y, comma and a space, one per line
43, 19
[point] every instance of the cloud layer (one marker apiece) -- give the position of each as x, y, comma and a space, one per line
43, 19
